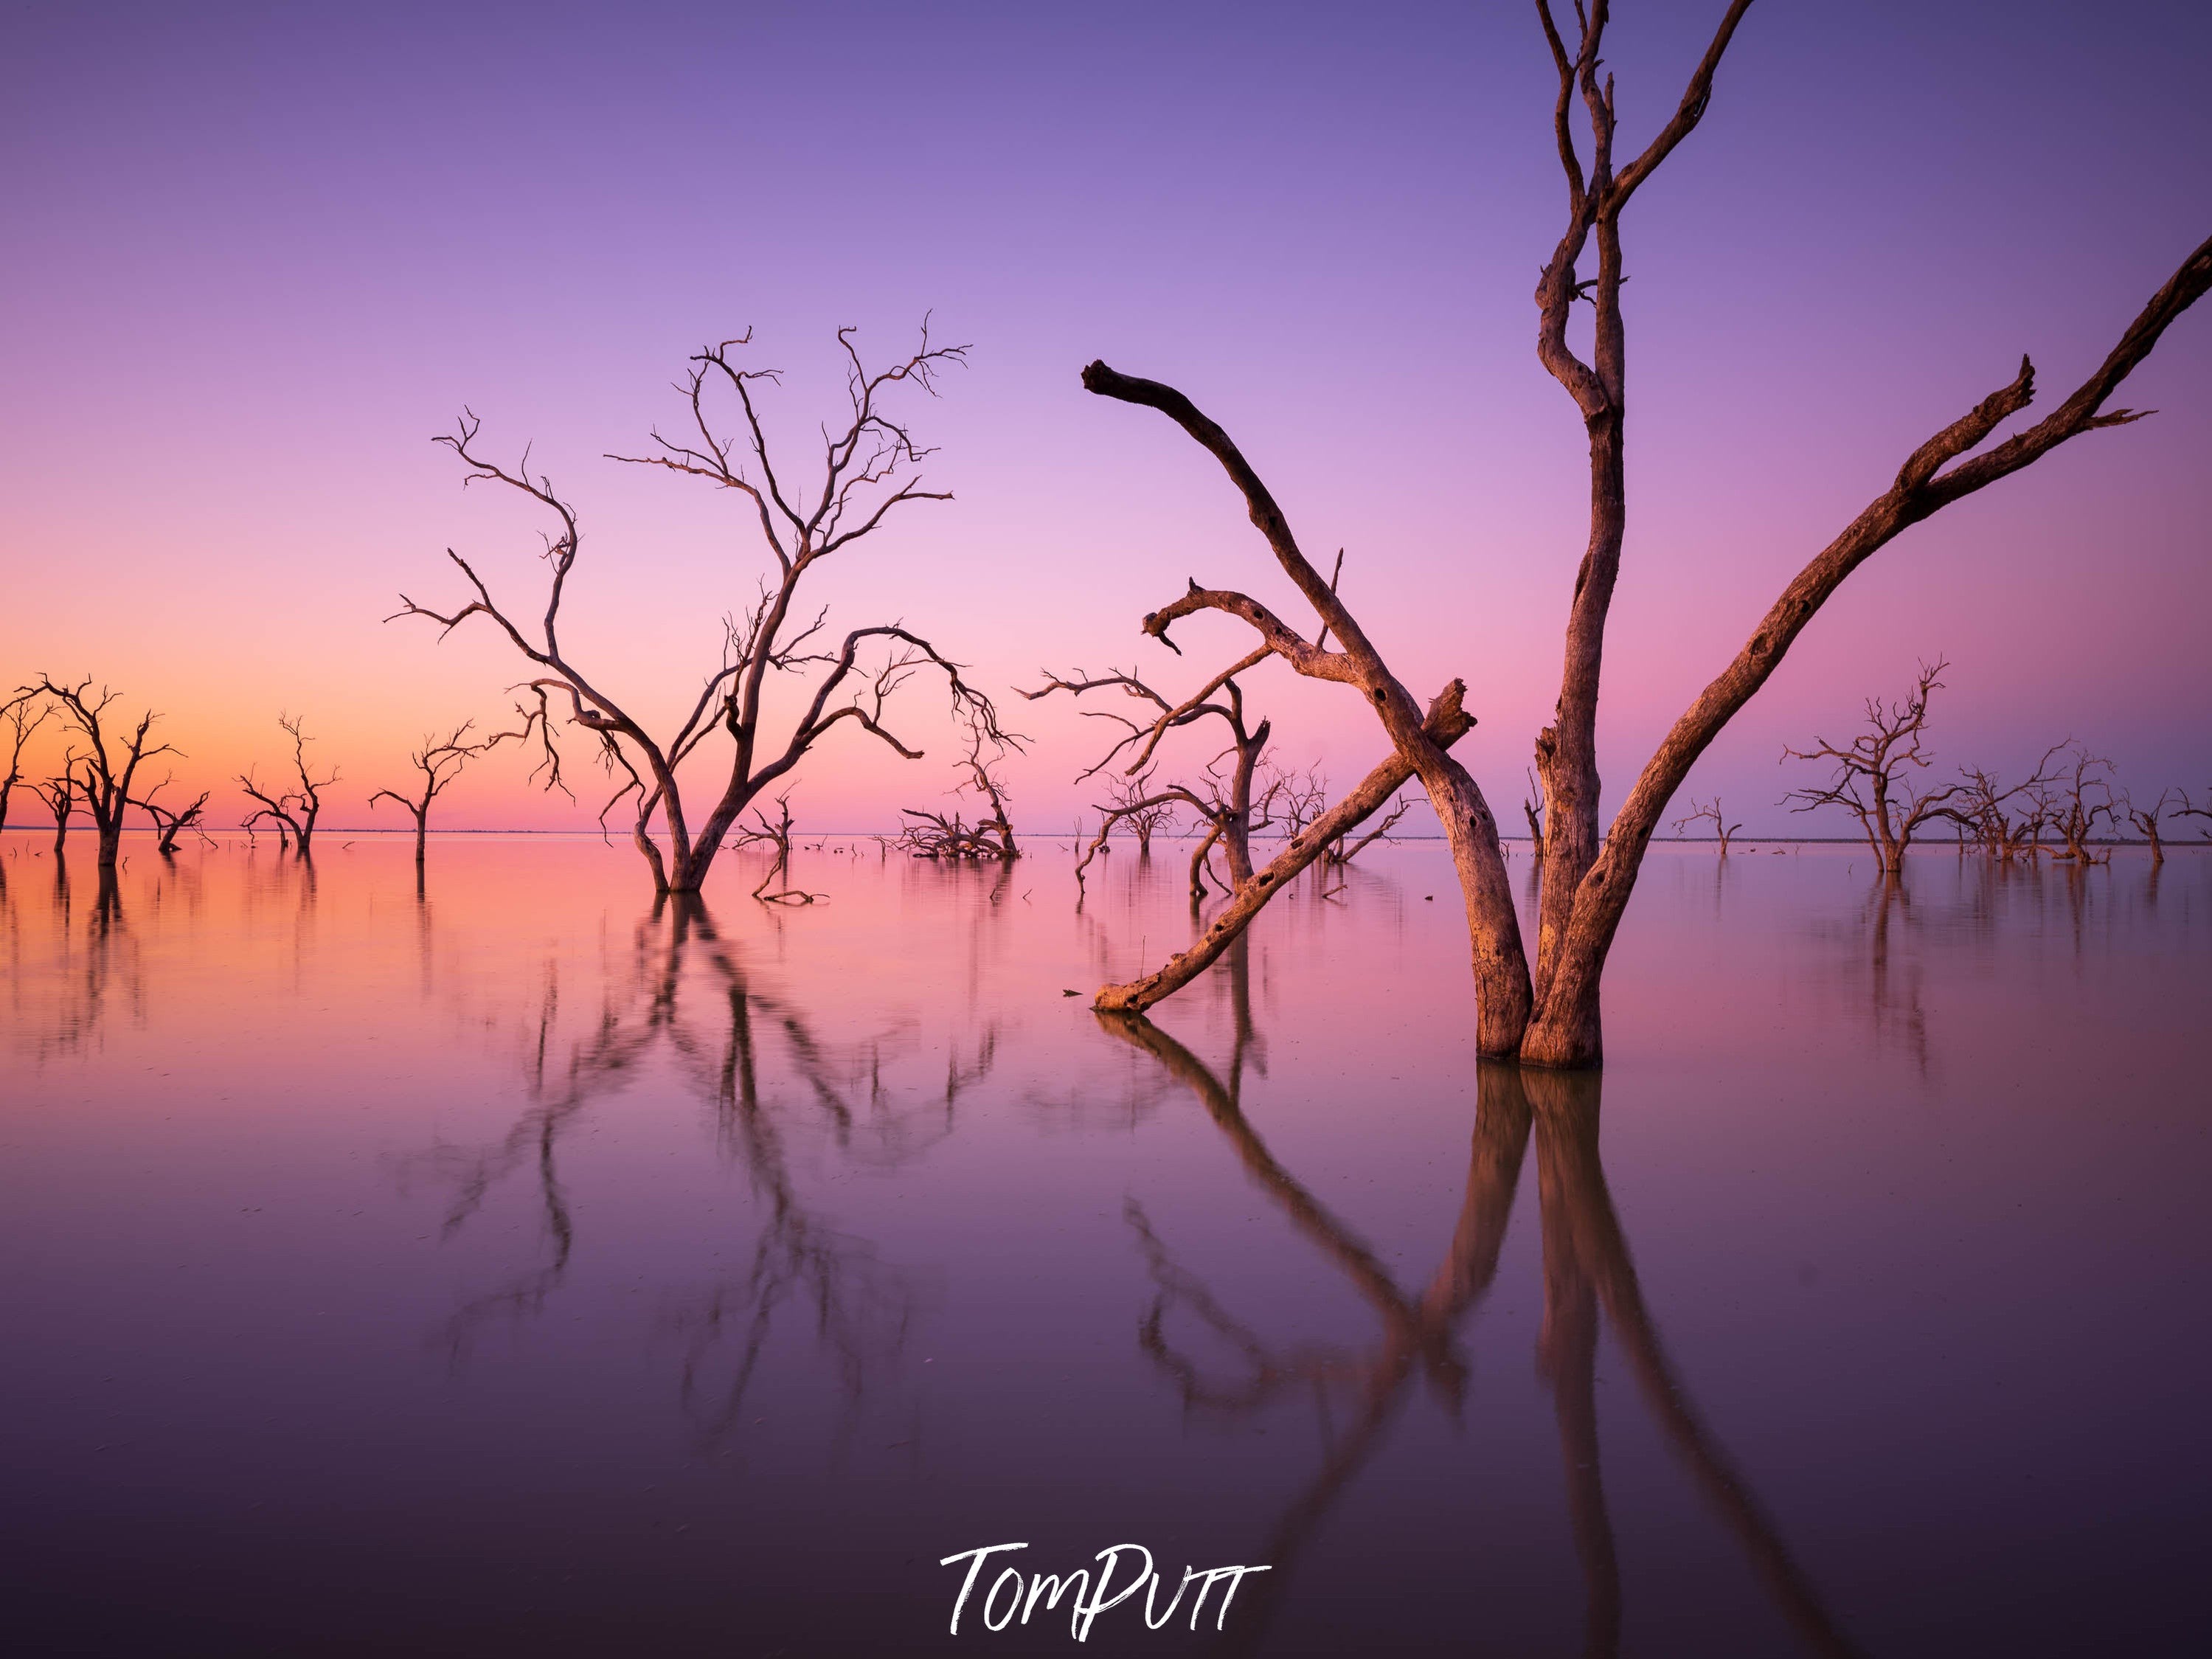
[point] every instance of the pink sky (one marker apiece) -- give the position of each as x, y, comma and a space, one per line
258, 258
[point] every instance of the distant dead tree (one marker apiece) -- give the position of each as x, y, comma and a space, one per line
2081, 797
101, 771
776, 836
951, 838
934, 835
292, 809
2148, 820
1550, 1017
1701, 811
172, 821
1134, 802
1338, 854
867, 470
60, 795
1291, 800
1223, 803
439, 761
1531, 808
1873, 779
24, 714
1986, 808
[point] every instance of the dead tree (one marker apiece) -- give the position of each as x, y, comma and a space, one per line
24, 713
2190, 809
1340, 854
2081, 797
1700, 811
60, 795
1134, 802
1291, 800
777, 837
440, 760
867, 470
2148, 822
1873, 777
172, 821
1550, 1016
293, 810
951, 838
1531, 808
1986, 808
992, 837
1225, 807
103, 770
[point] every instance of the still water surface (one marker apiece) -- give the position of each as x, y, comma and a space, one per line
509, 1267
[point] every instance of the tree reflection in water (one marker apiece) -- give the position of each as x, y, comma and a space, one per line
683, 997
91, 965
1588, 1272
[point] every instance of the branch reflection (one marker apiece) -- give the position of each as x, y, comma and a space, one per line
1588, 1272
683, 1002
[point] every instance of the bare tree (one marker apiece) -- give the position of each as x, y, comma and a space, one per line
1225, 805
1700, 811
60, 794
292, 809
24, 713
1291, 800
440, 760
1531, 808
2081, 797
1550, 1017
172, 821
2148, 821
934, 835
1985, 806
867, 470
1872, 776
776, 836
2190, 809
1133, 801
110, 759
1338, 854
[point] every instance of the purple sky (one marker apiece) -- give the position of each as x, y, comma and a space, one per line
257, 255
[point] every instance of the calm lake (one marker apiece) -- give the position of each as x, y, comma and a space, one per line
507, 1267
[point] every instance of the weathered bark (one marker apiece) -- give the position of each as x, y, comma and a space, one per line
1565, 1030
1502, 995
1566, 751
1552, 1017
